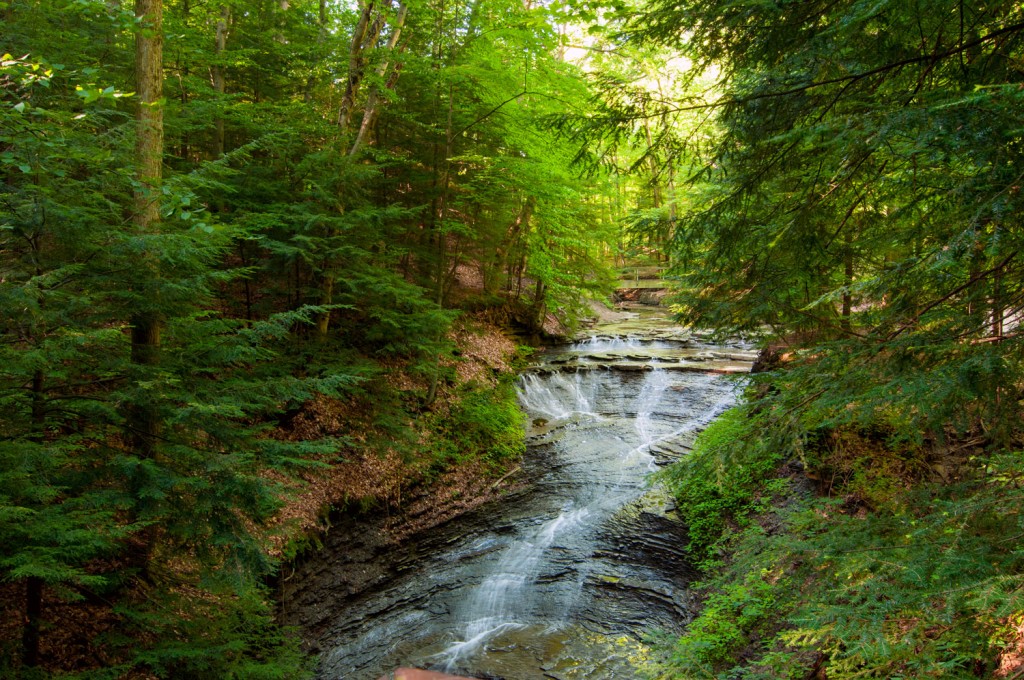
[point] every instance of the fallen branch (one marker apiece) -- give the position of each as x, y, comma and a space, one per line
506, 476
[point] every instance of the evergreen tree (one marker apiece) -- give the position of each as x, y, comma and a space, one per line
860, 199
192, 247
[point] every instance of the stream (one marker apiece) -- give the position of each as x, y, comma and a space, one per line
563, 577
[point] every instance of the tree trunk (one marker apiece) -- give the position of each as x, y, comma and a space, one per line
671, 229
439, 212
657, 240
30, 635
501, 261
146, 323
149, 144
847, 309
323, 319
363, 37
220, 44
372, 109
539, 311
33, 616
652, 164
998, 308
149, 148
321, 38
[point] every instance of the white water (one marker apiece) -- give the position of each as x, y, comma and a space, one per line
560, 395
525, 587
508, 598
627, 342
497, 603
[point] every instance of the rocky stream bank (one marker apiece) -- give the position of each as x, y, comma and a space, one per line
572, 560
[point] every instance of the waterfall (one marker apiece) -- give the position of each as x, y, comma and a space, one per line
651, 396
499, 603
507, 598
531, 580
560, 395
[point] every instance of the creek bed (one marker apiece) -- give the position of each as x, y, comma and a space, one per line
560, 579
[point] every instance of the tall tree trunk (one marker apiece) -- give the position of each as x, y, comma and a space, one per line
501, 263
976, 294
671, 229
220, 45
30, 636
847, 309
538, 312
149, 148
652, 164
998, 307
146, 322
657, 239
321, 38
363, 36
372, 108
149, 144
33, 617
441, 181
323, 319
283, 6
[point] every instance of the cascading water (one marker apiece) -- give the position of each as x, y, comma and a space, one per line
560, 395
527, 587
504, 599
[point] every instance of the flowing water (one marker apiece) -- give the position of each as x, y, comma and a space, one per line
562, 578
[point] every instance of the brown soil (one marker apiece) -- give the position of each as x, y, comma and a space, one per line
1011, 659
388, 480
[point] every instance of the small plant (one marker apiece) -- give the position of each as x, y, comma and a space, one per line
731, 620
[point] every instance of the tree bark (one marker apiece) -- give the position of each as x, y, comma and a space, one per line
847, 309
30, 634
149, 149
362, 37
372, 108
538, 312
501, 261
33, 616
321, 38
220, 45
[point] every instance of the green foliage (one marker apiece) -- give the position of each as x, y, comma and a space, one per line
288, 265
218, 634
922, 588
485, 424
858, 200
732, 621
924, 584
725, 477
855, 193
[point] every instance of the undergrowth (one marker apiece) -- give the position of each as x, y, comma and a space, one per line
484, 423
719, 483
882, 573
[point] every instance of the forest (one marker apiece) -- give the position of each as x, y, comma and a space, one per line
245, 243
